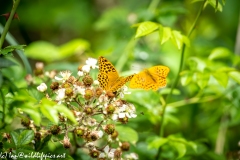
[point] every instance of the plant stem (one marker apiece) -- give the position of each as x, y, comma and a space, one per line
6, 28
153, 5
3, 109
177, 78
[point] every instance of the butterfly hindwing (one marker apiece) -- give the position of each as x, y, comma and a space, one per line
152, 78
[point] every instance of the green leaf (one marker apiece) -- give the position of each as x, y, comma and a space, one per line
19, 47
4, 63
165, 34
202, 79
48, 110
146, 28
25, 137
186, 77
14, 136
177, 39
73, 46
33, 113
219, 53
213, 3
1, 79
196, 63
63, 109
235, 75
6, 51
127, 134
42, 50
43, 142
221, 77
156, 142
180, 147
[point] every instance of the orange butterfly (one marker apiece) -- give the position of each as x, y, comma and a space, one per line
108, 77
152, 78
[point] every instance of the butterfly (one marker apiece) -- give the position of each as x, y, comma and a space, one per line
108, 76
151, 78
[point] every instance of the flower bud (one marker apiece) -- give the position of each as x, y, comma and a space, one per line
42, 87
114, 135
55, 129
117, 154
123, 120
69, 92
94, 153
87, 80
109, 129
54, 86
110, 109
66, 142
125, 146
79, 132
98, 92
88, 94
88, 110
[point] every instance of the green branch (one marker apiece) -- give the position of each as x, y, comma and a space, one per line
8, 23
178, 77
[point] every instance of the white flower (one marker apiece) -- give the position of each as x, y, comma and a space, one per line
124, 90
131, 156
79, 90
86, 68
42, 87
89, 121
80, 73
108, 152
60, 94
65, 75
124, 111
92, 63
103, 98
96, 82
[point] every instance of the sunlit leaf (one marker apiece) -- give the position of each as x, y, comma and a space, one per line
42, 50
127, 134
33, 113
73, 46
63, 109
146, 28
165, 34
235, 75
180, 147
221, 77
202, 79
219, 53
177, 39
156, 142
186, 77
214, 4
48, 110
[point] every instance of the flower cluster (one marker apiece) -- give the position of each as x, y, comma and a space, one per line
96, 111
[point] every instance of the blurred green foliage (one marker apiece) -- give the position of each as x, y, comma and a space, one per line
202, 118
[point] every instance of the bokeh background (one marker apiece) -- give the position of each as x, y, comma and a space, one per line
63, 34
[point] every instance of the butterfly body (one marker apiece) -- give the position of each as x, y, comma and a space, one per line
108, 77
152, 78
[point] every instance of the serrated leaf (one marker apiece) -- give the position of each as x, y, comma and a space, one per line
14, 136
127, 134
63, 109
25, 137
221, 77
16, 47
146, 28
235, 75
157, 142
219, 53
4, 63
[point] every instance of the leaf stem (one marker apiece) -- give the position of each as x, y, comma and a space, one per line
8, 23
177, 78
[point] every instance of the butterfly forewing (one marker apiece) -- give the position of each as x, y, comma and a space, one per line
108, 77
